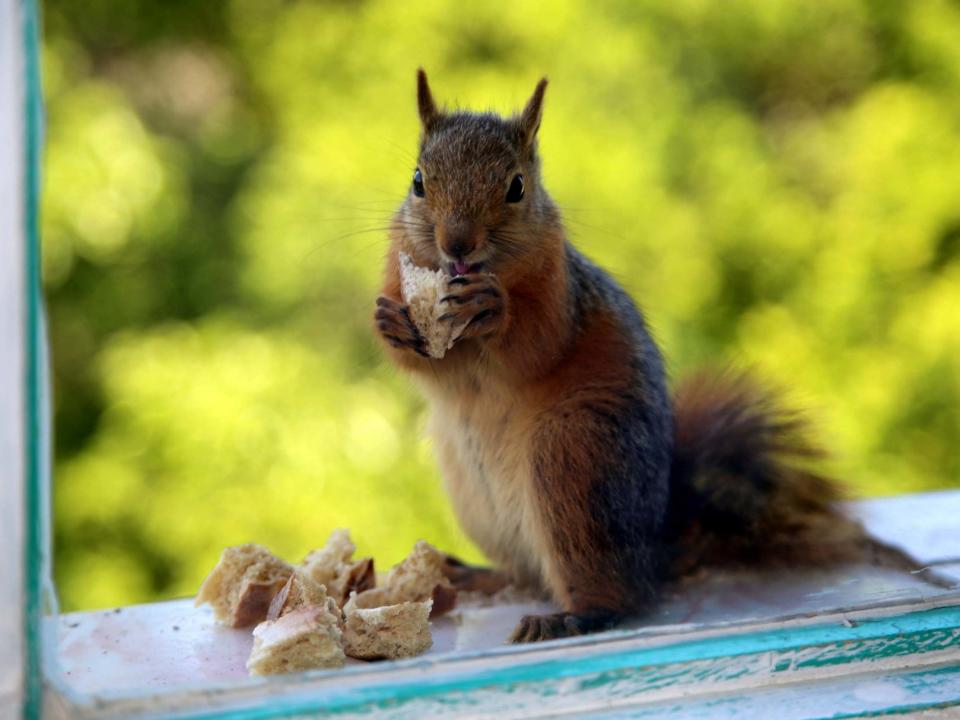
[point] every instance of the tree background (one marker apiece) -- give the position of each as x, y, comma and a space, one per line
775, 181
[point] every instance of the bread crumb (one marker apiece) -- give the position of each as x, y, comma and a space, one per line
333, 567
386, 632
303, 639
507, 595
243, 583
315, 614
416, 578
300, 591
325, 563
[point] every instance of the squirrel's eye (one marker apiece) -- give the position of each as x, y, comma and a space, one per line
418, 184
515, 193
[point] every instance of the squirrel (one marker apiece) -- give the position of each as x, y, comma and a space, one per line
567, 460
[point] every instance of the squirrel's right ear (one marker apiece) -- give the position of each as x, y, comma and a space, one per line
529, 121
425, 104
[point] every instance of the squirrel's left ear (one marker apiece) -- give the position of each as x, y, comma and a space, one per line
529, 121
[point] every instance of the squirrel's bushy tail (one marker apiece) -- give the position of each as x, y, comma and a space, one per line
745, 488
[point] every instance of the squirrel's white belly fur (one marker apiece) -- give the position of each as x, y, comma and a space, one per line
483, 449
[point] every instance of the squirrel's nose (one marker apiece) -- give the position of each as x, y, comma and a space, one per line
458, 241
459, 248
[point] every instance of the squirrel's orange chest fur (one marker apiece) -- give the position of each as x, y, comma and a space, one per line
483, 444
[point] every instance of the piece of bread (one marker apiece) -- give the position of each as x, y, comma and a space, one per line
333, 566
422, 289
301, 623
243, 583
358, 577
386, 632
303, 639
324, 564
300, 591
416, 578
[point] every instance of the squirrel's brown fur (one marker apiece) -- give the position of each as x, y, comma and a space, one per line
745, 487
565, 459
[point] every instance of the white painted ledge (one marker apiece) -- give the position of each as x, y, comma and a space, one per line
925, 525
173, 645
171, 649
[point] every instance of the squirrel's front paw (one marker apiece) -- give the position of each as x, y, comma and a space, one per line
477, 302
396, 327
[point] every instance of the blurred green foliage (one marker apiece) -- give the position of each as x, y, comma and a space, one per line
776, 181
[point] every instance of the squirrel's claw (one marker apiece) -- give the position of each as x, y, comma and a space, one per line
394, 324
477, 302
534, 628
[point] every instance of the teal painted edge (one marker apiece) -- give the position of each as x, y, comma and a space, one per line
906, 707
919, 690
33, 564
918, 625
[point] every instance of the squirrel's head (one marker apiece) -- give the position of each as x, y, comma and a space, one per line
475, 199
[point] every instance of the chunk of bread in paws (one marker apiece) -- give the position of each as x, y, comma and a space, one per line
422, 290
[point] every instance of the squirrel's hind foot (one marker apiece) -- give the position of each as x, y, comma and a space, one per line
533, 628
470, 578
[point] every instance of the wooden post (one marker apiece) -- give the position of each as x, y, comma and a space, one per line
13, 314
